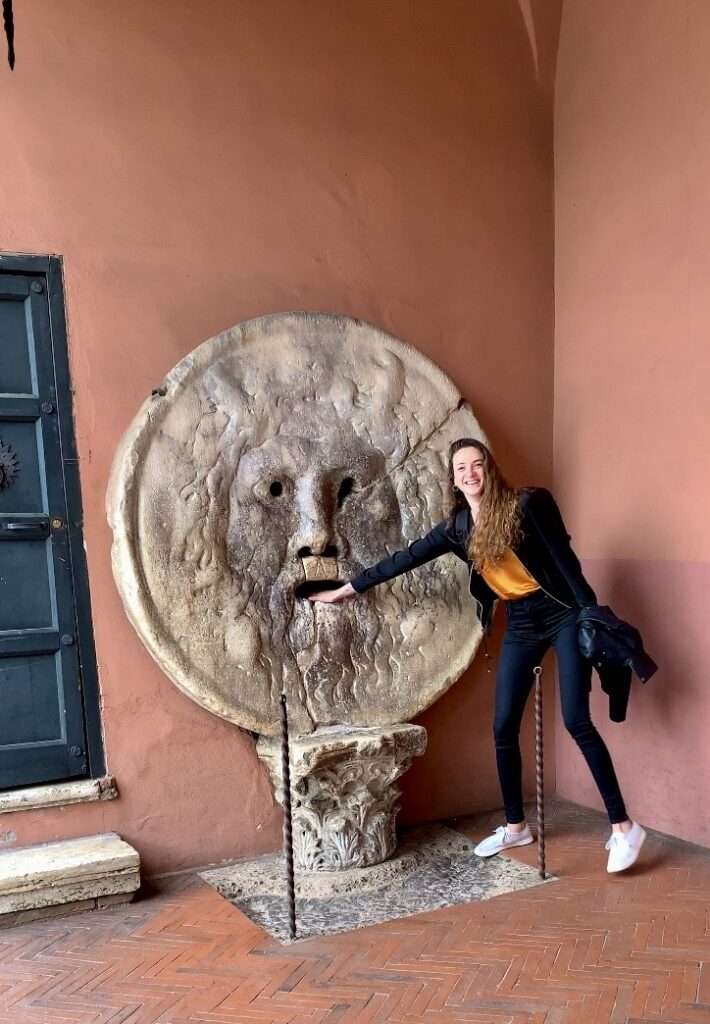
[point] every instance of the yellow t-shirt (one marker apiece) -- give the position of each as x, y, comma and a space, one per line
509, 578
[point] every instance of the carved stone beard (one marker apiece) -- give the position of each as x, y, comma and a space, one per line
326, 656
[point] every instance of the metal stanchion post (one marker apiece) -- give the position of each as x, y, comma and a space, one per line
288, 824
539, 773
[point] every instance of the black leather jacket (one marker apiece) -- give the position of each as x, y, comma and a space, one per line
544, 550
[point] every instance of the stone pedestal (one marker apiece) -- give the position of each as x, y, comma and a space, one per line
343, 792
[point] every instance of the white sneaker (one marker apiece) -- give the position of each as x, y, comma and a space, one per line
624, 848
502, 839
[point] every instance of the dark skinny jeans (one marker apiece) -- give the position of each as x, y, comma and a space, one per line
534, 623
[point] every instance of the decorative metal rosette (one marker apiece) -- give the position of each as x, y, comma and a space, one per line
8, 466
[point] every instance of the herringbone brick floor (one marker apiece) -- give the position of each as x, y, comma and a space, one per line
587, 948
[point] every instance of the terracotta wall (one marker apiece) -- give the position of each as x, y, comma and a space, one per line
199, 164
632, 362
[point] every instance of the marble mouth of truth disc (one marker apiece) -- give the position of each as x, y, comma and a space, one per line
286, 453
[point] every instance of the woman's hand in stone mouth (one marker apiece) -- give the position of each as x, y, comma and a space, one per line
334, 596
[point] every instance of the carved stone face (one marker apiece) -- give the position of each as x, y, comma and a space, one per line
291, 449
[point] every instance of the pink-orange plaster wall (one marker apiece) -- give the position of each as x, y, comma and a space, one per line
632, 366
199, 164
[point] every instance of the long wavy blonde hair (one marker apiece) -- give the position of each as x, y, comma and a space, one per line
498, 521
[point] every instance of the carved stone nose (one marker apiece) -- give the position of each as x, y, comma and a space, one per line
314, 536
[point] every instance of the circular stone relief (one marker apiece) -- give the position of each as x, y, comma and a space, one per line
292, 451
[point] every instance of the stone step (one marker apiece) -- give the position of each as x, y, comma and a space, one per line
77, 873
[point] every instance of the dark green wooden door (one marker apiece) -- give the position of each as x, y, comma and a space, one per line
42, 724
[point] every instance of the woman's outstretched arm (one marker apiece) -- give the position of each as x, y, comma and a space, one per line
420, 551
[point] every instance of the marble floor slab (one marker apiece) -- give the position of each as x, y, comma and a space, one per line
434, 867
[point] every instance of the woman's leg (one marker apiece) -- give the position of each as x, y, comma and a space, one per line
514, 680
575, 679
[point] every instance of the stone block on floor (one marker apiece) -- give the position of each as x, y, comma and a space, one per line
74, 874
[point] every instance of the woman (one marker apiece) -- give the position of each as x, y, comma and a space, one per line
518, 550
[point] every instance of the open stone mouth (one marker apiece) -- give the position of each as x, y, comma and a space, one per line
320, 573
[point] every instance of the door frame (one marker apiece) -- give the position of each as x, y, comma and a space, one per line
50, 269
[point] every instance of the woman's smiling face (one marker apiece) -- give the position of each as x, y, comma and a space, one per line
469, 473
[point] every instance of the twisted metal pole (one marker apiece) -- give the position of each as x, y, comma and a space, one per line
288, 823
9, 24
539, 772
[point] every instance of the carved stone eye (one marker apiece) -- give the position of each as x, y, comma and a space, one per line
345, 489
273, 491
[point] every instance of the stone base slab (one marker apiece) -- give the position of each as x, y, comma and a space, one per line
76, 873
434, 867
